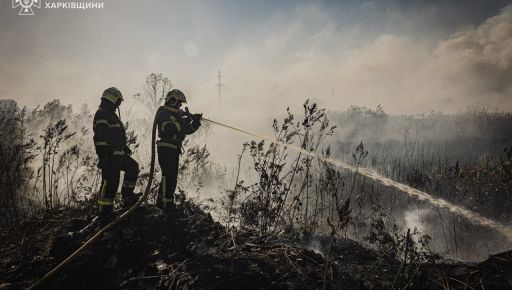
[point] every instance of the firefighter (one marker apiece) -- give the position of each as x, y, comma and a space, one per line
113, 153
173, 125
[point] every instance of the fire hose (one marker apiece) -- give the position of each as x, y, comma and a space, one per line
128, 212
470, 215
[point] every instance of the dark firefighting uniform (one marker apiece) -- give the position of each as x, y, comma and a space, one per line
110, 142
173, 126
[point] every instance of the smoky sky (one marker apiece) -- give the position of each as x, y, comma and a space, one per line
408, 56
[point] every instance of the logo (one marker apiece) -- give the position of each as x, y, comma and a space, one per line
26, 6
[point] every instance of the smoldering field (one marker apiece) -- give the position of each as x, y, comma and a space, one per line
48, 161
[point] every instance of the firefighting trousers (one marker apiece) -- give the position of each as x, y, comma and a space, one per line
110, 174
169, 159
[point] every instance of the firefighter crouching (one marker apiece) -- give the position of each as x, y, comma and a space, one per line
113, 154
173, 126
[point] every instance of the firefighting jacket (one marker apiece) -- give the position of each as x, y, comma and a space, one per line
109, 133
173, 126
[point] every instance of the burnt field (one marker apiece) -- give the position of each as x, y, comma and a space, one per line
256, 144
191, 251
281, 218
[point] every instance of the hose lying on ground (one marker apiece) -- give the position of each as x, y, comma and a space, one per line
110, 225
470, 215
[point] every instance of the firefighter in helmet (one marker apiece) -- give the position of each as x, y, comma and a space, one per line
113, 153
173, 125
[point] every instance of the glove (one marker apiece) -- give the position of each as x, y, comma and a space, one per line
197, 117
185, 114
196, 120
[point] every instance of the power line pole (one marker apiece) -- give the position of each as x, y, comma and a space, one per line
219, 84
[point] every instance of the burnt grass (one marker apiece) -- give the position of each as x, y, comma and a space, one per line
188, 250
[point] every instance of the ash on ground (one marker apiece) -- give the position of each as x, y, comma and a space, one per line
189, 250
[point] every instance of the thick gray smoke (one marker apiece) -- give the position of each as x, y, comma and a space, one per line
472, 66
268, 66
402, 58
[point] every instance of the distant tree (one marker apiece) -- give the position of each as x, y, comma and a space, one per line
16, 153
155, 89
355, 112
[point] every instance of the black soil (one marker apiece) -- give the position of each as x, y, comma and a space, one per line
188, 250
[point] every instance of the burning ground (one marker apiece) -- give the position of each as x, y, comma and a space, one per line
191, 251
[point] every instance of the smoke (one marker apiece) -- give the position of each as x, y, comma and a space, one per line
472, 66
283, 62
408, 58
268, 63
478, 61
318, 244
413, 219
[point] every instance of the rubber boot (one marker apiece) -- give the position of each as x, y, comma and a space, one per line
166, 205
170, 213
159, 203
170, 207
105, 215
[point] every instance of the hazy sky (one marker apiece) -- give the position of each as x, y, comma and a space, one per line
409, 56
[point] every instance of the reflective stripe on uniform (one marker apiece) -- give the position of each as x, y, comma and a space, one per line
164, 185
165, 123
178, 125
129, 184
103, 189
168, 200
172, 121
118, 152
103, 121
105, 202
100, 143
165, 144
102, 201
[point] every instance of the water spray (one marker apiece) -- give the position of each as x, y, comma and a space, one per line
372, 174
471, 216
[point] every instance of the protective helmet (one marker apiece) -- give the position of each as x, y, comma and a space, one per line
177, 95
114, 95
